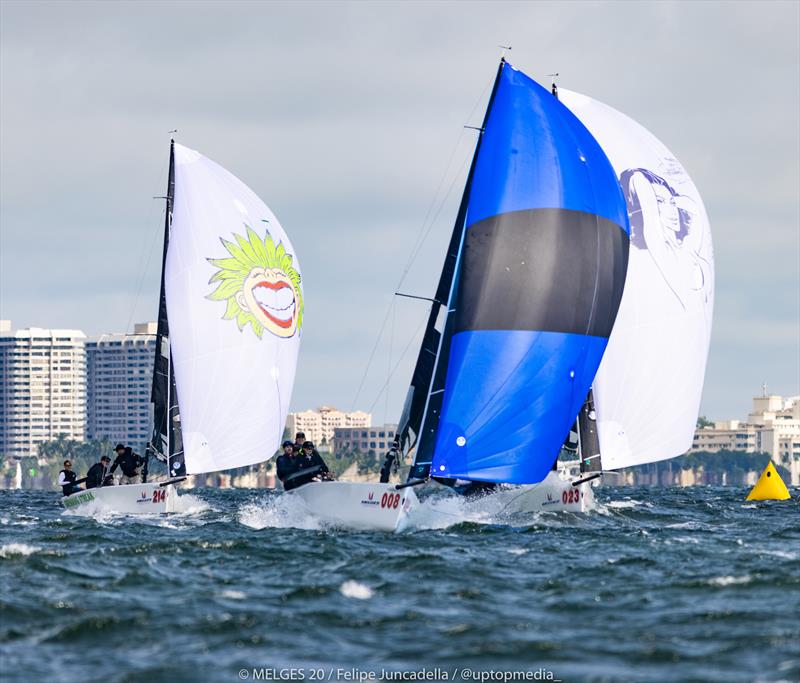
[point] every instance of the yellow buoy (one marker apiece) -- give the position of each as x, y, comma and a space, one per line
769, 486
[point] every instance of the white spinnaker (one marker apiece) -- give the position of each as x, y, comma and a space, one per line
648, 388
233, 385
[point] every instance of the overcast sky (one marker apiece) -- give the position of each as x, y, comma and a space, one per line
347, 119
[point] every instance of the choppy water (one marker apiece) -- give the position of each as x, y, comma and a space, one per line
657, 585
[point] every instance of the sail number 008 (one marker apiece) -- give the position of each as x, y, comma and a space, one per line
390, 500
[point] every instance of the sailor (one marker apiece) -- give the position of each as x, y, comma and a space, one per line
299, 440
67, 479
129, 462
98, 474
309, 466
285, 465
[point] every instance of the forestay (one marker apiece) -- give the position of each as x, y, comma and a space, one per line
235, 306
538, 283
648, 387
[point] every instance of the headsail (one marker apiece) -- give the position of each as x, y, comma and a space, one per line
538, 284
648, 388
235, 303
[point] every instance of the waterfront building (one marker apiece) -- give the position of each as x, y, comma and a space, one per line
772, 426
319, 425
119, 381
42, 387
364, 439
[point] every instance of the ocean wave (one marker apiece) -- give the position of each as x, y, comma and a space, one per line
356, 590
10, 550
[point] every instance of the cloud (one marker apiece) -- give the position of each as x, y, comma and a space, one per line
342, 117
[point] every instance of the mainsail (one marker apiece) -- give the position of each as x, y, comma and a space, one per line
166, 427
539, 277
648, 387
234, 300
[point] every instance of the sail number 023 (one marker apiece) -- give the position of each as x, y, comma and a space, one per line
390, 500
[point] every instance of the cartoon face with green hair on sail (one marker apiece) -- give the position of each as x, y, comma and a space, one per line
259, 285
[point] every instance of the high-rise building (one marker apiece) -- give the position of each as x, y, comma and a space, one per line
119, 380
42, 387
319, 425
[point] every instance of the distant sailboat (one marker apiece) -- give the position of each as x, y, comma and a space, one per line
229, 327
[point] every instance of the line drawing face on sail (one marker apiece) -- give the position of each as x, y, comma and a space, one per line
259, 285
666, 224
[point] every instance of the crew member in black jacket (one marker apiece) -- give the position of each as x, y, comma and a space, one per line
98, 474
309, 466
285, 465
129, 462
67, 478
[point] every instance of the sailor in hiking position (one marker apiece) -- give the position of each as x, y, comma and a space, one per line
285, 465
308, 466
129, 462
67, 479
98, 474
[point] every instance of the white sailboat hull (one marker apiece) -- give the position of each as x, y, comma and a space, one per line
381, 507
364, 506
553, 494
129, 499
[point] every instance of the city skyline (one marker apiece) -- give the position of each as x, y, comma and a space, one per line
347, 130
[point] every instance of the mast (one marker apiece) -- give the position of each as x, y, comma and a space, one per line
163, 394
425, 395
589, 449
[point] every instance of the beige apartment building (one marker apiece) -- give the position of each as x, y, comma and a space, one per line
773, 426
42, 387
319, 425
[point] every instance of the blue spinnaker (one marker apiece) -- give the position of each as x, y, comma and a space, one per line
540, 277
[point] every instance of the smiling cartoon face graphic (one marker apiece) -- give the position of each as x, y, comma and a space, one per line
259, 285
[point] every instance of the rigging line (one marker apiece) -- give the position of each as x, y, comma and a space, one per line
420, 239
419, 244
399, 284
389, 364
399, 361
148, 253
386, 317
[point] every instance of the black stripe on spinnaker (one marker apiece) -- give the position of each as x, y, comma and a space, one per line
554, 270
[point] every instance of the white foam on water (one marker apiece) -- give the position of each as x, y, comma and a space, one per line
443, 511
623, 504
18, 550
189, 504
356, 590
516, 551
783, 554
730, 580
278, 512
96, 510
233, 595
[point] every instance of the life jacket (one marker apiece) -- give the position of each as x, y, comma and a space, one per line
70, 477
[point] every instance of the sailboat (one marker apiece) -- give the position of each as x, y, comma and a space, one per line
526, 301
229, 327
